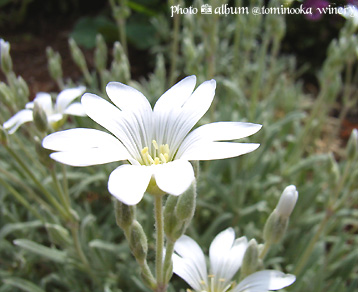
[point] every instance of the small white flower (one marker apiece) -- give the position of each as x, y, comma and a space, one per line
350, 12
225, 254
54, 112
156, 143
287, 201
4, 47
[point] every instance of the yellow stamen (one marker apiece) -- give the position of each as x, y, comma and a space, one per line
161, 154
155, 144
162, 158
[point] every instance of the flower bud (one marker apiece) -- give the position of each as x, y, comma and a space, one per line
138, 242
100, 54
251, 259
54, 63
5, 59
125, 214
77, 55
352, 146
40, 117
185, 207
275, 228
22, 88
287, 201
173, 226
120, 64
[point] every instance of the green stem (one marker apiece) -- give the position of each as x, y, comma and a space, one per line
329, 212
168, 269
76, 240
158, 209
309, 249
264, 250
59, 190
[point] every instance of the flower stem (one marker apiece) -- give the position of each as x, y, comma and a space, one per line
168, 269
158, 210
264, 250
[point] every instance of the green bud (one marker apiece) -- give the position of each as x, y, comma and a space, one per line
275, 228
352, 145
54, 64
5, 59
120, 64
77, 55
170, 219
173, 226
125, 215
40, 117
251, 260
185, 207
138, 242
22, 88
100, 54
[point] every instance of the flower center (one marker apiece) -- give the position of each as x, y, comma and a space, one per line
161, 154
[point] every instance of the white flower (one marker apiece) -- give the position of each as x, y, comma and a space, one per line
226, 254
349, 12
54, 112
156, 143
287, 201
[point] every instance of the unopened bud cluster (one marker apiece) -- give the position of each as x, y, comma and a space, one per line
125, 218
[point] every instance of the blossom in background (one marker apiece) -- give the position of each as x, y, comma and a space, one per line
55, 113
316, 6
225, 256
156, 143
350, 12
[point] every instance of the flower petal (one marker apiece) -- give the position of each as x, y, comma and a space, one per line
45, 101
194, 260
174, 177
65, 97
264, 281
127, 98
221, 131
17, 120
193, 109
176, 96
137, 110
128, 182
215, 150
233, 260
186, 269
83, 147
111, 118
219, 248
75, 109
